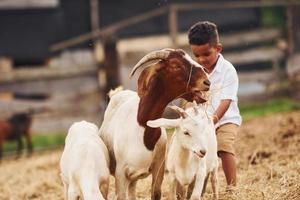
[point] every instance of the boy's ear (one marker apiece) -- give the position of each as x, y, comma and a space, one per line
219, 47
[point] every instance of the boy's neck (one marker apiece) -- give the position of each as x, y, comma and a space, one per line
213, 66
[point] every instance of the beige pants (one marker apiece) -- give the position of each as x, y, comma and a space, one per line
226, 135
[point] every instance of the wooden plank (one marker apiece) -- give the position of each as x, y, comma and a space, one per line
262, 54
22, 4
234, 5
109, 30
248, 37
228, 40
27, 74
6, 64
6, 96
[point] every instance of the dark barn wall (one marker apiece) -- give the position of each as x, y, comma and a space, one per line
27, 34
228, 20
76, 19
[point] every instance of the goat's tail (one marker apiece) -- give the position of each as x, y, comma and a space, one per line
112, 92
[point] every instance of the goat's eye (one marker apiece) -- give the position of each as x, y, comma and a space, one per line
186, 133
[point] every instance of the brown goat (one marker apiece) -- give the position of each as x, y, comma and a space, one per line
135, 149
14, 128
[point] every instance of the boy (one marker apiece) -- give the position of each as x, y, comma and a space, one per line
206, 47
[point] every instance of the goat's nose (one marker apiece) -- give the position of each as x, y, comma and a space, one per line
203, 152
200, 153
206, 82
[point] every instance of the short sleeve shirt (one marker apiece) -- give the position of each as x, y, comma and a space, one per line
224, 85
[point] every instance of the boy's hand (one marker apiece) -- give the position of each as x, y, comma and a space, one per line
221, 110
215, 119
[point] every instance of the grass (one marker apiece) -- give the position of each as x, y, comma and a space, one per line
250, 111
45, 141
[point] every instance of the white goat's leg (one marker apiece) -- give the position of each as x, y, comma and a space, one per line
158, 172
181, 191
131, 190
65, 190
199, 183
65, 184
205, 184
215, 183
190, 189
173, 184
121, 183
89, 186
73, 193
104, 186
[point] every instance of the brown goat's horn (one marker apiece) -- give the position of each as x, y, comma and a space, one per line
151, 57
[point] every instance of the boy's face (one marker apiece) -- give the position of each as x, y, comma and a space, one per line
206, 54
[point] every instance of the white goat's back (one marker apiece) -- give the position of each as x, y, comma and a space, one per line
111, 116
82, 130
116, 100
84, 162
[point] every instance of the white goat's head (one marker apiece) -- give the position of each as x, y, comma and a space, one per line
191, 128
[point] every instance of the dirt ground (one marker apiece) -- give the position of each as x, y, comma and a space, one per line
268, 166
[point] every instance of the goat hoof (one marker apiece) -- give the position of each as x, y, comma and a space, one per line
156, 196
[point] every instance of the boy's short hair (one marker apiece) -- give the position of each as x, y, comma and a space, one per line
202, 33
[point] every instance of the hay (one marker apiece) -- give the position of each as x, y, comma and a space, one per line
268, 152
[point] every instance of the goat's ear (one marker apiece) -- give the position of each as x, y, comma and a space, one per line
179, 110
162, 122
195, 106
146, 77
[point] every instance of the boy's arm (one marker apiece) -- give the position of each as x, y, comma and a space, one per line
229, 93
222, 108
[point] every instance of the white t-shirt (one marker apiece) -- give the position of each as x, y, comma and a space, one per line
224, 85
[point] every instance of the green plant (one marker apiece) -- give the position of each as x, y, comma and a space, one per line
273, 106
40, 141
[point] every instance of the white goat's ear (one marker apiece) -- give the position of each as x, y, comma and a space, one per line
195, 106
179, 110
162, 122
195, 103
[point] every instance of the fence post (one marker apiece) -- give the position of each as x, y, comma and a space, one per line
111, 64
173, 25
293, 64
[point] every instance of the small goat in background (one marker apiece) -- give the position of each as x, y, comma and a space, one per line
15, 128
84, 163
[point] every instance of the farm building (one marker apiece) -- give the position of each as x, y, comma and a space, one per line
58, 59
49, 49
29, 28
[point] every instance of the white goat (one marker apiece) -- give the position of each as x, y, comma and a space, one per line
130, 159
192, 153
84, 163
